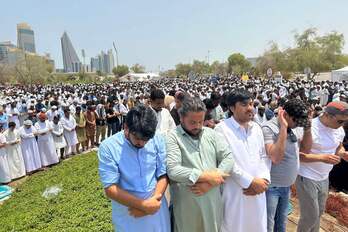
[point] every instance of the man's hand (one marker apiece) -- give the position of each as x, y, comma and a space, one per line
330, 159
257, 186
201, 188
282, 121
343, 155
152, 205
215, 178
136, 213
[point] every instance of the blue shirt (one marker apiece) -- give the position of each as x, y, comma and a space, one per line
135, 171
4, 121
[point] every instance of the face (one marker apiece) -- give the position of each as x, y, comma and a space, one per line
290, 120
177, 104
134, 139
192, 122
157, 104
243, 111
336, 121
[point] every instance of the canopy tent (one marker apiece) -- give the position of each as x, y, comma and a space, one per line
340, 74
140, 77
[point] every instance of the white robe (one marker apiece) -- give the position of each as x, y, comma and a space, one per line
5, 176
13, 116
69, 125
14, 154
245, 213
46, 145
30, 150
58, 136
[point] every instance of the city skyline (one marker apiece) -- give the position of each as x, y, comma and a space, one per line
164, 33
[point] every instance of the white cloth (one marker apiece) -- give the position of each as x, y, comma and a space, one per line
248, 149
5, 176
165, 122
45, 142
69, 125
30, 150
260, 120
14, 154
13, 116
51, 114
325, 141
58, 135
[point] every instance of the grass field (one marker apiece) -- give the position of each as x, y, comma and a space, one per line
80, 206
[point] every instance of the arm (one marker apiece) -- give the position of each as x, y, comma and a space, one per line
325, 158
26, 136
307, 140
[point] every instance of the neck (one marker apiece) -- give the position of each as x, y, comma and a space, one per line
242, 123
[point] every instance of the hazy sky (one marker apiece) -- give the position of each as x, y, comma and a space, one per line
164, 33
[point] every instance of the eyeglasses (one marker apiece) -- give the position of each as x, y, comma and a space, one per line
292, 136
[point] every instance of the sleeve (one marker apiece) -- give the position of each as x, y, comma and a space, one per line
175, 170
108, 167
268, 135
265, 162
25, 135
161, 158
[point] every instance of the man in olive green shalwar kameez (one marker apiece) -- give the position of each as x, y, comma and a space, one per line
197, 162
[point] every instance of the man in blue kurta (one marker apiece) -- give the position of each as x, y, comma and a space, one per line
132, 169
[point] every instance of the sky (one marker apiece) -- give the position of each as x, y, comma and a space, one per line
161, 33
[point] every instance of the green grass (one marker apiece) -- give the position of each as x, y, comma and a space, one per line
80, 206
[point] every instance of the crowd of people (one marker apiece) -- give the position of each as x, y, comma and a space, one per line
229, 149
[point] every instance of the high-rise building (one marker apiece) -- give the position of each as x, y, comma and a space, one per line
70, 59
25, 38
95, 64
111, 62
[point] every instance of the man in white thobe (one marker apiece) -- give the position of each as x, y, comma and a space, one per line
30, 150
58, 136
165, 121
14, 152
5, 176
244, 197
45, 141
69, 125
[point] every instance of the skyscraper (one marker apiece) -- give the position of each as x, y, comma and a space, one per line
70, 59
25, 38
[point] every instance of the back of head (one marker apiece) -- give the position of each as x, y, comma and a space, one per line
157, 94
141, 120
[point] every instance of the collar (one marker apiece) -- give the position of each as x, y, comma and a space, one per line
183, 132
236, 125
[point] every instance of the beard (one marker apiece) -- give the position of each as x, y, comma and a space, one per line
195, 133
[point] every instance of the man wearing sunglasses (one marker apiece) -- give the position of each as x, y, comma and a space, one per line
312, 183
281, 143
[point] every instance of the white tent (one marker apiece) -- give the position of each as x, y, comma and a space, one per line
340, 74
140, 77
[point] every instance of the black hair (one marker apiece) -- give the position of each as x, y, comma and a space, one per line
157, 94
239, 95
296, 108
215, 96
11, 124
142, 121
209, 104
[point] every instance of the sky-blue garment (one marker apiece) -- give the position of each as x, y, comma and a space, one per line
4, 121
135, 171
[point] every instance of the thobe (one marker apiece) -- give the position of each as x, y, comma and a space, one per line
245, 213
13, 114
5, 176
14, 154
165, 122
58, 136
69, 125
45, 142
135, 171
30, 150
187, 159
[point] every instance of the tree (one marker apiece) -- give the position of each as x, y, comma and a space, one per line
120, 70
137, 68
200, 67
183, 69
238, 64
219, 68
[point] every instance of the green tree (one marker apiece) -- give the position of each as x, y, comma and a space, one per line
120, 70
137, 68
183, 69
218, 68
200, 67
238, 64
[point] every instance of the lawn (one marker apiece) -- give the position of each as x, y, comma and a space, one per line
80, 206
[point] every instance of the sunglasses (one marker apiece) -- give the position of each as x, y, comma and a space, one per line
292, 136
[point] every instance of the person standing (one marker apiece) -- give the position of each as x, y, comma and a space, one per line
282, 138
132, 169
244, 197
80, 129
58, 136
91, 125
45, 141
30, 149
14, 152
69, 125
312, 183
5, 176
101, 123
198, 160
